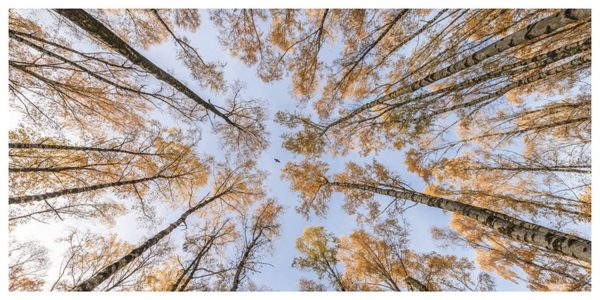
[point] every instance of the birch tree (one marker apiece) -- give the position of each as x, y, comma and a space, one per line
231, 186
87, 253
403, 110
256, 240
315, 187
60, 178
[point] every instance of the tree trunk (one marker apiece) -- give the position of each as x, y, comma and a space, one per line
517, 132
557, 207
101, 276
182, 281
96, 29
74, 148
235, 284
56, 169
560, 169
514, 228
41, 197
523, 36
189, 278
571, 65
368, 49
14, 35
241, 265
538, 61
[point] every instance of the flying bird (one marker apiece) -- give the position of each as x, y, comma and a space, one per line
277, 160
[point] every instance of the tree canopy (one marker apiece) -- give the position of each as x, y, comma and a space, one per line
166, 149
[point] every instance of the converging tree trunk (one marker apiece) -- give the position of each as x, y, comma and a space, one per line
521, 66
242, 264
41, 197
101, 276
568, 66
517, 229
74, 148
240, 267
188, 272
520, 37
96, 29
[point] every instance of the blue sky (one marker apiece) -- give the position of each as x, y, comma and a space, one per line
281, 276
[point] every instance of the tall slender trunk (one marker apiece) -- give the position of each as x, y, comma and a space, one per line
560, 169
521, 66
409, 38
333, 272
74, 148
242, 264
514, 228
41, 197
557, 207
55, 169
189, 278
98, 278
339, 282
368, 49
14, 35
568, 66
57, 209
96, 29
183, 279
521, 260
520, 37
188, 273
515, 132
